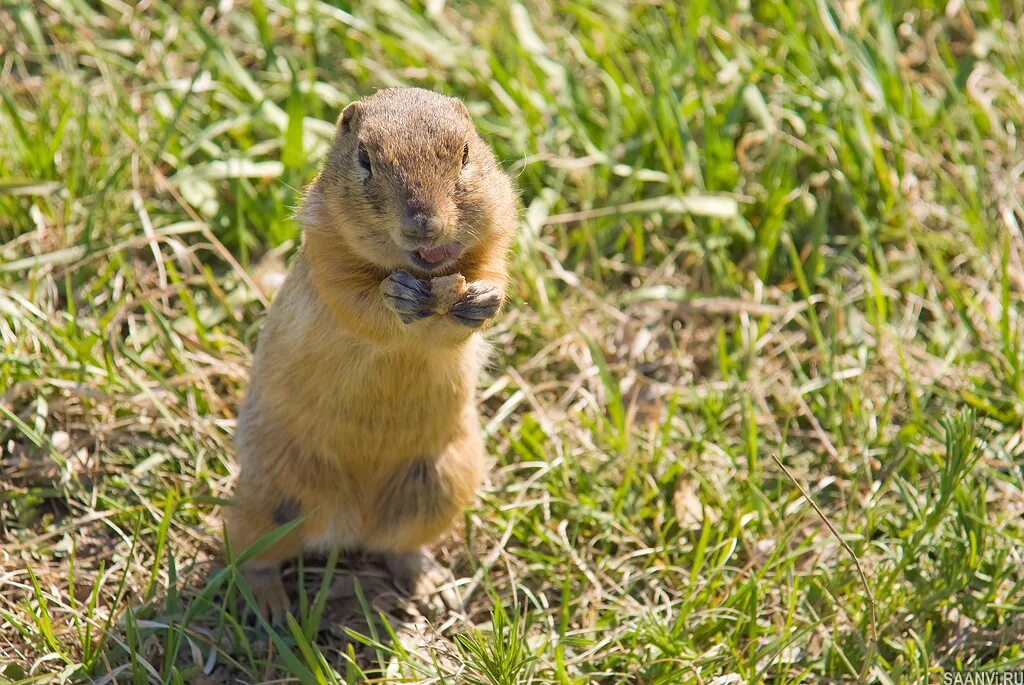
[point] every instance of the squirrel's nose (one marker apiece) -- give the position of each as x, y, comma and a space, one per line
420, 225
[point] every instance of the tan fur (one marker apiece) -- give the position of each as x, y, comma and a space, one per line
361, 423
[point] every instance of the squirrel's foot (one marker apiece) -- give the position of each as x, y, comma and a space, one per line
268, 589
429, 584
407, 296
479, 304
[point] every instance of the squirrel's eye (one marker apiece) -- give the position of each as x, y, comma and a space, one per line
465, 155
364, 158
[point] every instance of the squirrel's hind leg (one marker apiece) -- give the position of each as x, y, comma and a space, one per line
419, 574
247, 521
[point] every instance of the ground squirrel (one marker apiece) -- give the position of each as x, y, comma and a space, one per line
360, 415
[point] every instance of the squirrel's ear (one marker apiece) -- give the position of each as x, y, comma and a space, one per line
461, 107
348, 117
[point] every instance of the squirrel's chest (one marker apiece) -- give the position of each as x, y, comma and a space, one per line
361, 371
358, 395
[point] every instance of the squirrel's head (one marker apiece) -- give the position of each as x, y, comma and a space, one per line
408, 183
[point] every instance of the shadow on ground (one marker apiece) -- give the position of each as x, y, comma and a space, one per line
349, 617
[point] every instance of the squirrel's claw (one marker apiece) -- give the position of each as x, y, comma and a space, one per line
429, 585
268, 589
407, 296
480, 303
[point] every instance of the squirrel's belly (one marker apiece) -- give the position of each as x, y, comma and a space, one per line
373, 404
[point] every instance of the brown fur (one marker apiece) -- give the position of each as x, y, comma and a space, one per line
360, 423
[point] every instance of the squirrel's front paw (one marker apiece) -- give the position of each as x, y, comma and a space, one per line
407, 296
480, 303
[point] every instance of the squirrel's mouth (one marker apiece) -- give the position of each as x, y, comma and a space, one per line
432, 258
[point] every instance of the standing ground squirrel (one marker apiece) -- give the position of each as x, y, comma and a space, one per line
360, 415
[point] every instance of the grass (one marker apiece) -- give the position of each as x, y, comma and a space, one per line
784, 230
